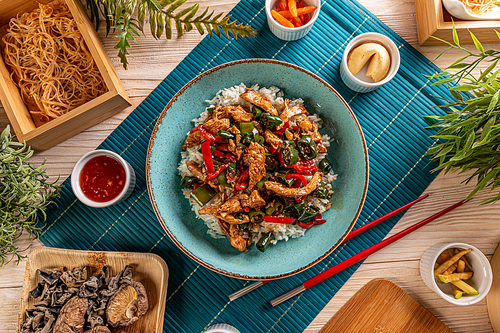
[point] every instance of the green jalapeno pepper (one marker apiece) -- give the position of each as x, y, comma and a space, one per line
278, 207
222, 179
210, 110
203, 194
272, 121
265, 241
256, 216
225, 134
325, 166
289, 153
306, 211
307, 147
282, 178
188, 182
258, 139
247, 127
257, 112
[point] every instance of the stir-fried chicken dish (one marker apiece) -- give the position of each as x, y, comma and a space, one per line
258, 167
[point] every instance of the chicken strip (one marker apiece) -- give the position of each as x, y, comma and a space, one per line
236, 239
255, 159
273, 140
295, 192
239, 114
196, 170
289, 113
229, 218
221, 113
308, 128
257, 99
193, 139
254, 201
214, 125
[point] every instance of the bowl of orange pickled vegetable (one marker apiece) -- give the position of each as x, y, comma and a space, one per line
291, 19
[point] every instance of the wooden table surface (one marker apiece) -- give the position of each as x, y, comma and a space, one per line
151, 61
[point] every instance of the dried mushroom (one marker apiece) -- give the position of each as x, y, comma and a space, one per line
127, 305
71, 319
74, 301
99, 329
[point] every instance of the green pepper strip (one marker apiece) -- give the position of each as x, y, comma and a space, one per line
272, 120
260, 184
257, 112
203, 194
265, 241
307, 147
225, 134
222, 179
188, 182
246, 127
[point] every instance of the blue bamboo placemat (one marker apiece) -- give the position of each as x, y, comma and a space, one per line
393, 124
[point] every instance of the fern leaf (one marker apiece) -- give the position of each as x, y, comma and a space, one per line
178, 25
174, 6
168, 27
141, 14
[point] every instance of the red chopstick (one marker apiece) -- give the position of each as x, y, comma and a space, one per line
251, 287
356, 258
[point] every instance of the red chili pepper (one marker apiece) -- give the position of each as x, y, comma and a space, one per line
219, 138
282, 129
279, 219
213, 175
195, 186
230, 157
207, 156
245, 210
241, 186
305, 225
272, 150
318, 222
298, 176
218, 153
207, 135
305, 170
223, 147
240, 183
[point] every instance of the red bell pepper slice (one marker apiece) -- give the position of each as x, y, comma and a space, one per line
299, 177
195, 186
305, 170
230, 157
222, 147
213, 175
206, 134
207, 156
279, 219
307, 225
245, 210
282, 129
218, 154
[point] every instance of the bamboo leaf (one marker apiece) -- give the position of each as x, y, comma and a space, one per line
494, 101
488, 70
478, 45
455, 34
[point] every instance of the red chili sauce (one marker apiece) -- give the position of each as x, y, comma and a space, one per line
102, 179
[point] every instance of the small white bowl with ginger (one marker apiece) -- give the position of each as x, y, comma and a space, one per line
370, 60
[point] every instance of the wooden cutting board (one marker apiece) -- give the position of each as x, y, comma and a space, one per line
382, 307
493, 297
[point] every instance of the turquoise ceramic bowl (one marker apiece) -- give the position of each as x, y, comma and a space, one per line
348, 154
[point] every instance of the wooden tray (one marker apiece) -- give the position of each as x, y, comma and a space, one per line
493, 297
147, 268
433, 20
382, 307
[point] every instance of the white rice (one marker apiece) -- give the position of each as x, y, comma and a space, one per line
231, 96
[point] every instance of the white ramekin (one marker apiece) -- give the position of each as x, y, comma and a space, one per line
481, 280
77, 169
291, 34
361, 85
221, 328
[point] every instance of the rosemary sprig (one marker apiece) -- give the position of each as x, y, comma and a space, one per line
24, 195
163, 15
470, 131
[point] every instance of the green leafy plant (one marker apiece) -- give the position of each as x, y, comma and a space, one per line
163, 16
25, 194
469, 134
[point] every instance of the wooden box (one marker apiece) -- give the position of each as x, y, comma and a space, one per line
434, 20
147, 268
76, 120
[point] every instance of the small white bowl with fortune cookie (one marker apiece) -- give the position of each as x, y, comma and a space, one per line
370, 60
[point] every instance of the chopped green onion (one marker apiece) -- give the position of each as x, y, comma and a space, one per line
203, 194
